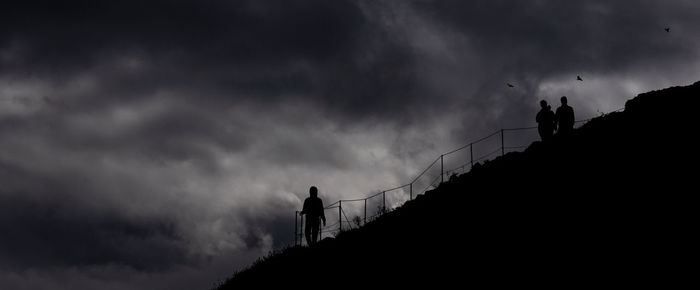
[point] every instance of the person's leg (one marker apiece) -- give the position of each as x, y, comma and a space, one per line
565, 131
316, 229
307, 231
546, 135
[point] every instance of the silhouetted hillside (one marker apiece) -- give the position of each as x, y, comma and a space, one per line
612, 206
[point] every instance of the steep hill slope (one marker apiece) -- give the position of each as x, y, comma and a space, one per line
613, 205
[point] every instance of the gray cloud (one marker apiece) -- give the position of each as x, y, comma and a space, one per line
53, 235
164, 144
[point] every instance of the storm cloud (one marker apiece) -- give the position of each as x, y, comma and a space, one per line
165, 144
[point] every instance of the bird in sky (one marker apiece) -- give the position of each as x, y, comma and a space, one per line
510, 86
668, 29
578, 78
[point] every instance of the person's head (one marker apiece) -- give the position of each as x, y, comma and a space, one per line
543, 104
313, 191
563, 100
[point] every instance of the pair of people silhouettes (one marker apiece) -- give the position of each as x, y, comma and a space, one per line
548, 121
313, 209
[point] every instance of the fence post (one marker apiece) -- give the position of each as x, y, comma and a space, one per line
365, 211
296, 227
384, 202
442, 169
471, 155
410, 190
340, 214
503, 150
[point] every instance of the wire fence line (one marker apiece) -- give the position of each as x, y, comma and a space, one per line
464, 164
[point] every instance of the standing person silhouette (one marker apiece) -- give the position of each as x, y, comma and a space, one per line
313, 209
545, 121
564, 118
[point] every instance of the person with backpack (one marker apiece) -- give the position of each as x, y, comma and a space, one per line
313, 209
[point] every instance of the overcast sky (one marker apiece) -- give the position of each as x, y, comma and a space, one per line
164, 144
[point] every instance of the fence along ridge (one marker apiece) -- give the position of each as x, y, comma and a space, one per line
299, 231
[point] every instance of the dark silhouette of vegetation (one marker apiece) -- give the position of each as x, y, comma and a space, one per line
610, 205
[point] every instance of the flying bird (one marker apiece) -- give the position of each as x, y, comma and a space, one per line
510, 86
668, 29
578, 78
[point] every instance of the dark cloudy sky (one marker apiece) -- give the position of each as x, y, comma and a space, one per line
164, 144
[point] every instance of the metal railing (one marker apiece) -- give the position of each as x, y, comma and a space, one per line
461, 160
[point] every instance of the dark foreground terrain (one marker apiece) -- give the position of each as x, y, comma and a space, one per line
613, 205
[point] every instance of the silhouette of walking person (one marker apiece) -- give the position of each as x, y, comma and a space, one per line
564, 118
545, 121
313, 209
